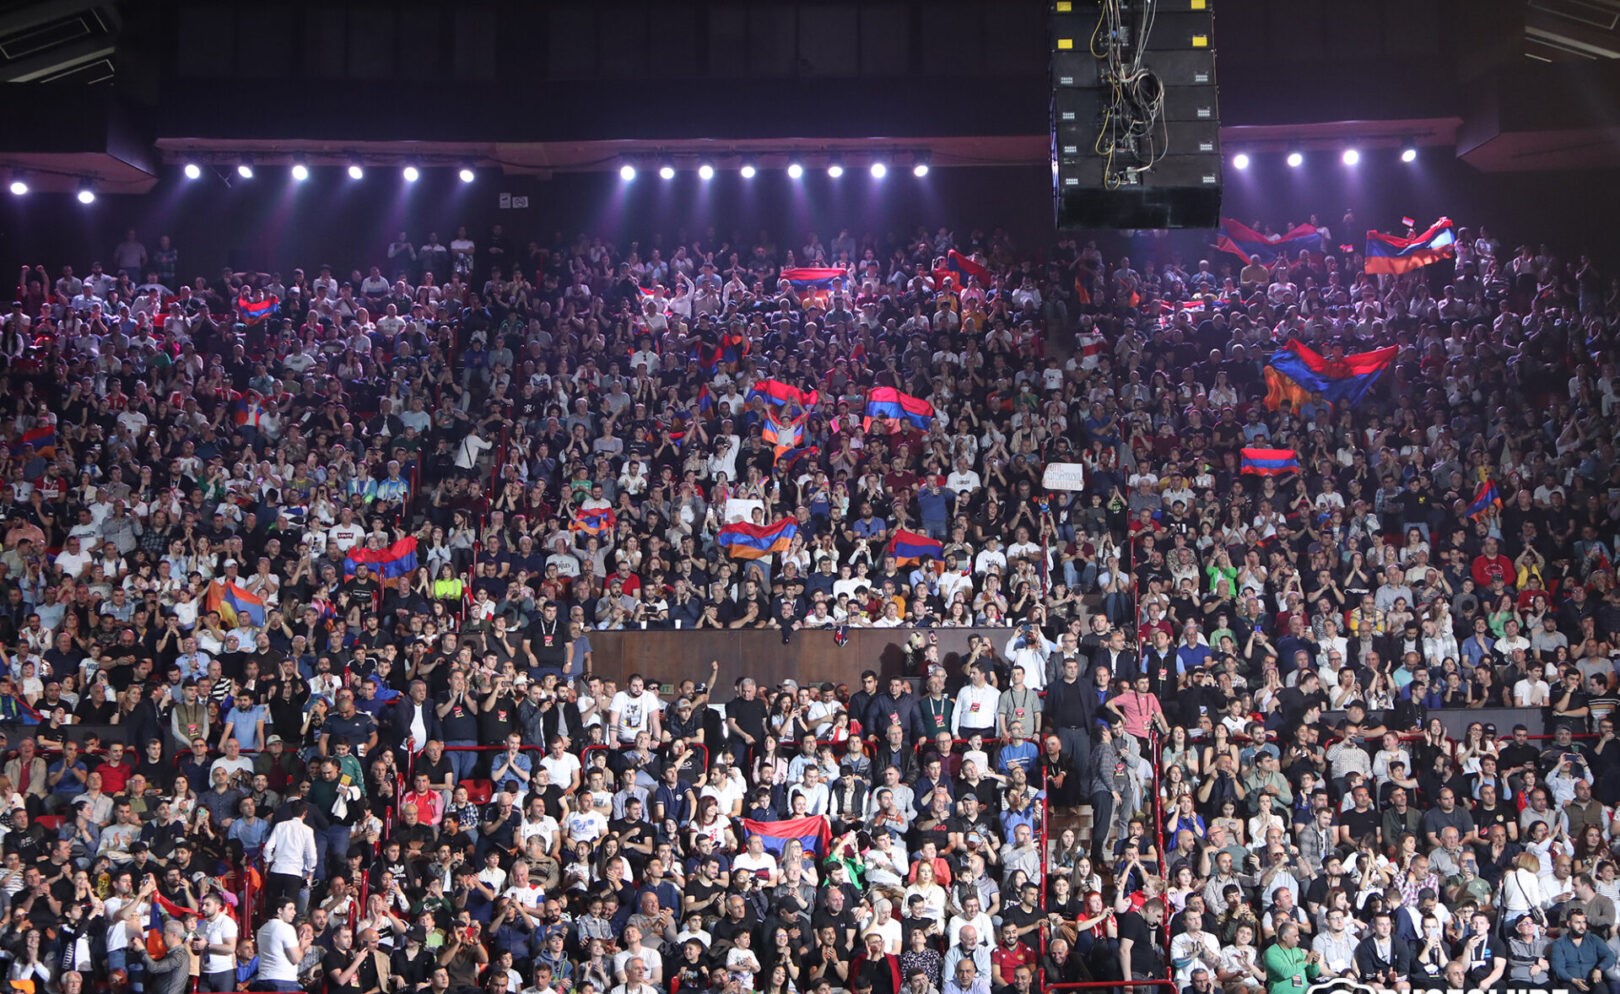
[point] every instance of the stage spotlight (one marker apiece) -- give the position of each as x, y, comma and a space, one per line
300, 170
748, 170
835, 169
1240, 161
19, 185
87, 191
705, 172
666, 171
920, 170
1350, 157
356, 171
795, 170
244, 169
193, 171
1409, 154
411, 174
879, 170
627, 172
1295, 160
466, 175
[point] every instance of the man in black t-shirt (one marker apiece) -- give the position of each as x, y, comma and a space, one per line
745, 718
1139, 957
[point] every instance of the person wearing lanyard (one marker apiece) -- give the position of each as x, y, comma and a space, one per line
1289, 967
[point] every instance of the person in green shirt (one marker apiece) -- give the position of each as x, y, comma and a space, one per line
1289, 968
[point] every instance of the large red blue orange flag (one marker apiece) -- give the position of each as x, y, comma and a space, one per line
908, 547
1392, 254
234, 602
594, 521
743, 540
1270, 462
784, 436
1246, 243
814, 277
889, 404
390, 561
1296, 371
812, 833
779, 394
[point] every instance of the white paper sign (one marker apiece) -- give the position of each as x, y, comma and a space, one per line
738, 509
1064, 476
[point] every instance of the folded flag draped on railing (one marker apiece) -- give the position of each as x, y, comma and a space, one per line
1270, 462
783, 435
1486, 498
742, 540
1246, 243
814, 277
889, 404
779, 394
390, 561
909, 548
1296, 372
811, 832
960, 266
233, 602
255, 311
42, 439
1392, 254
594, 520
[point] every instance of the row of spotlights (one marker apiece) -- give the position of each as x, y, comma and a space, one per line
300, 172
1349, 157
748, 170
19, 188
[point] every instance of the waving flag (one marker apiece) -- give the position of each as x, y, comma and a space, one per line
1270, 462
234, 602
1295, 372
742, 540
247, 411
1393, 254
1486, 498
1245, 243
390, 561
812, 832
889, 404
814, 277
255, 311
42, 438
779, 394
908, 547
960, 266
594, 521
783, 435
789, 462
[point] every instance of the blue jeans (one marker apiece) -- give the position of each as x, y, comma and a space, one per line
463, 763
330, 841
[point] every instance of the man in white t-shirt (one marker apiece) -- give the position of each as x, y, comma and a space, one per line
282, 948
217, 930
633, 710
562, 765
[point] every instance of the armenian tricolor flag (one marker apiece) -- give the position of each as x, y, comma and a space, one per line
889, 404
961, 267
594, 521
783, 435
908, 547
779, 394
42, 439
742, 540
234, 602
248, 411
1270, 462
814, 277
1296, 372
255, 311
788, 462
390, 561
812, 832
1486, 498
1246, 243
1392, 254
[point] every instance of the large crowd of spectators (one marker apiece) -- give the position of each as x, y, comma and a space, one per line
416, 781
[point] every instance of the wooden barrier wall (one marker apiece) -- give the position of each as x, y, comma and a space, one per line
667, 657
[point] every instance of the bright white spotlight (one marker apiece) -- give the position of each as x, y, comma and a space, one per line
87, 192
300, 172
748, 170
1408, 154
666, 172
705, 172
466, 175
243, 169
19, 186
1240, 161
879, 170
193, 171
920, 170
835, 170
627, 172
795, 170
1295, 160
1350, 157
411, 174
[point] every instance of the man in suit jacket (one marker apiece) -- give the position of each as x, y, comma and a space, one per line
27, 773
411, 720
1382, 958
